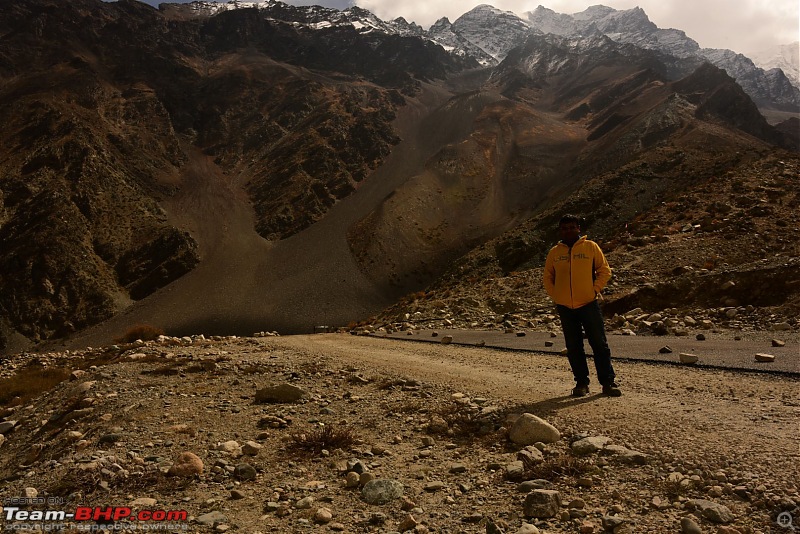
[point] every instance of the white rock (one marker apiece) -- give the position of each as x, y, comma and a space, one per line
685, 357
529, 429
229, 446
761, 357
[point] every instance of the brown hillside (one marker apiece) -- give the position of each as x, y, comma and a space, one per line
236, 173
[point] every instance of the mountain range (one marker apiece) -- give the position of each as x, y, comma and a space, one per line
239, 167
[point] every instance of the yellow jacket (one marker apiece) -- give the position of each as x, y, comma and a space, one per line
574, 276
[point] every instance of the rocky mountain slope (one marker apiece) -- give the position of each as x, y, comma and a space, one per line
689, 229
487, 34
102, 101
268, 168
767, 88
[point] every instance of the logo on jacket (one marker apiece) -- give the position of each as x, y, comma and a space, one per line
581, 256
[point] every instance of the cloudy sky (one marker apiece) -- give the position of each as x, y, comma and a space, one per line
740, 25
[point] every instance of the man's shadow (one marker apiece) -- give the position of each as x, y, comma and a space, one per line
551, 406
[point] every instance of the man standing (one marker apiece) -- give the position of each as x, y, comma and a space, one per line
575, 273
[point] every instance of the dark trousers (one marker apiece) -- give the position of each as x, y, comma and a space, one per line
574, 323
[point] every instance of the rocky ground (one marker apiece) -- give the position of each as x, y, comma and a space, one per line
340, 433
718, 252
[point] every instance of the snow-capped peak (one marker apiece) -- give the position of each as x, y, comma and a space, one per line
785, 57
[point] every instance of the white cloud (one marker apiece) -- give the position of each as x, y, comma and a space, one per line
740, 25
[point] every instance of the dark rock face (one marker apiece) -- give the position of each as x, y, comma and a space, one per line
99, 99
718, 97
158, 262
107, 105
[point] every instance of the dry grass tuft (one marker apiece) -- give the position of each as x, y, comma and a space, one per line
464, 421
327, 437
79, 483
557, 467
145, 332
675, 489
29, 383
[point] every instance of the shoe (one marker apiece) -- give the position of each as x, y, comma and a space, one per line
612, 390
580, 390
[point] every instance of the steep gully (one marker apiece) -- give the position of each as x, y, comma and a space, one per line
246, 284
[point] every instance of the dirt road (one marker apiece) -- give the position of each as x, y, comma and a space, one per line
701, 415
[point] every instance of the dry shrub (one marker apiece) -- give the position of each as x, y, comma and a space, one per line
464, 421
675, 489
145, 332
86, 483
557, 467
327, 437
29, 383
413, 406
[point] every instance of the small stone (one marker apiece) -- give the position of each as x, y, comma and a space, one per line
434, 486
381, 491
612, 522
407, 524
305, 503
188, 464
251, 448
515, 470
688, 359
778, 343
700, 337
762, 357
590, 445
283, 393
229, 446
578, 504
323, 516
212, 519
689, 526
665, 350
245, 471
352, 479
716, 513
6, 426
446, 340
542, 504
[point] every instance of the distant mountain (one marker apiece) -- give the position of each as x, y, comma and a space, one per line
783, 57
486, 34
768, 89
